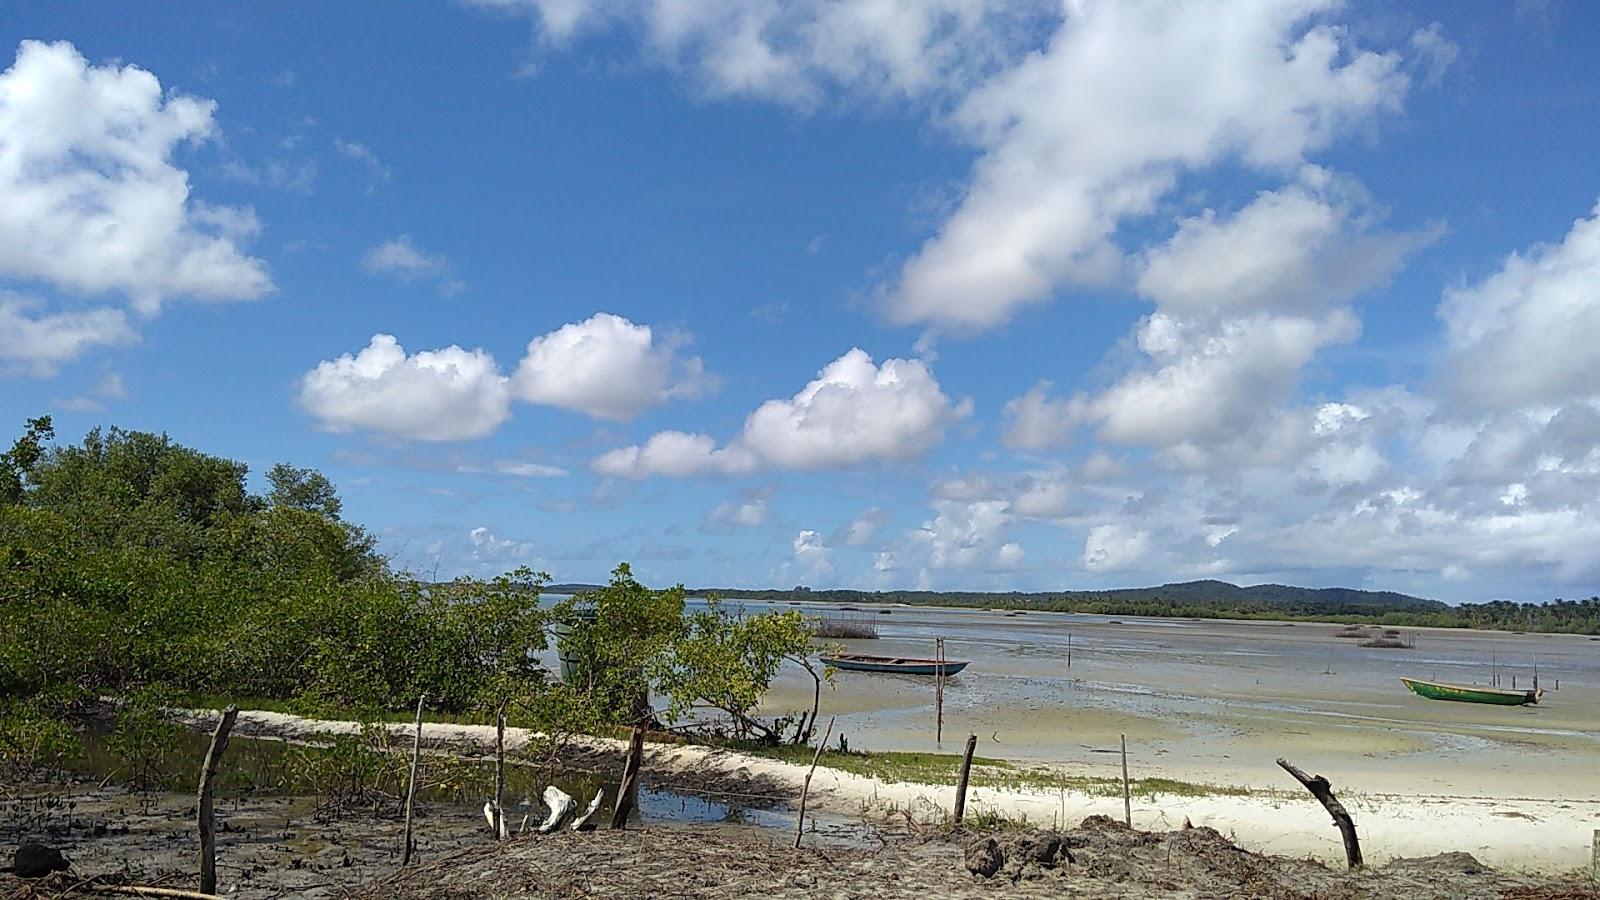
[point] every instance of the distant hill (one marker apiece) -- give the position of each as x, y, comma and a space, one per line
1213, 595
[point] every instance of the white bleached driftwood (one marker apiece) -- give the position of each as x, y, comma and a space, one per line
584, 822
489, 816
560, 804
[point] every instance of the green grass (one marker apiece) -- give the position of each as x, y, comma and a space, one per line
944, 768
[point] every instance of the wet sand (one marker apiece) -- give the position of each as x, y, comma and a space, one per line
1218, 701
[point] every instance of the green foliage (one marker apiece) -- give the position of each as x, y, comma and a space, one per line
17, 464
356, 771
622, 633
728, 662
144, 740
34, 743
307, 489
130, 563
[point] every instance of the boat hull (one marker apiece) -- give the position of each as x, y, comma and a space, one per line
894, 665
1465, 694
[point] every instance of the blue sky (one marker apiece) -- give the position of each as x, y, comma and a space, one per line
953, 294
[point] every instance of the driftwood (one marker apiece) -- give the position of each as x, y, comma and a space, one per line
805, 788
1323, 791
630, 778
966, 773
208, 787
586, 822
411, 784
561, 805
138, 890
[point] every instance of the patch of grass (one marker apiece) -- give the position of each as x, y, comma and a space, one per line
892, 767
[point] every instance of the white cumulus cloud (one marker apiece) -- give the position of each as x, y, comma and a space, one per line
434, 395
37, 342
93, 203
853, 412
607, 367
1109, 548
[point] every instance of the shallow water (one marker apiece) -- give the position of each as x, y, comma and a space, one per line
1218, 700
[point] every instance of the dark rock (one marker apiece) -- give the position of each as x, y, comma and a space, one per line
984, 858
33, 860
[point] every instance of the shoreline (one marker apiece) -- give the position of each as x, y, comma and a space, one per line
1546, 836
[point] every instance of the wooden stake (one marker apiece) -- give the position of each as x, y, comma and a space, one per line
1594, 862
499, 822
630, 778
938, 690
411, 784
961, 784
208, 787
1069, 649
1323, 791
805, 787
1127, 796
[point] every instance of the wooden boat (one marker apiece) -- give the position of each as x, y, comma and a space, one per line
862, 662
1465, 694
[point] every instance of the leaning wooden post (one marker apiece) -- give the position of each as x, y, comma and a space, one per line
1127, 797
411, 783
805, 787
1323, 791
961, 784
499, 822
630, 778
208, 786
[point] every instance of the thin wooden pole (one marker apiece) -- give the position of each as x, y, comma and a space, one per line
1323, 791
1127, 796
1069, 649
961, 784
499, 822
805, 787
630, 778
208, 787
938, 690
1594, 862
411, 784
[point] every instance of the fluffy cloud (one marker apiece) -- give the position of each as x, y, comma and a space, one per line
93, 203
964, 535
1078, 138
1526, 334
812, 559
1076, 131
37, 342
853, 412
607, 367
1109, 548
433, 395
1297, 249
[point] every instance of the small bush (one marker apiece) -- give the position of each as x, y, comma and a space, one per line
34, 743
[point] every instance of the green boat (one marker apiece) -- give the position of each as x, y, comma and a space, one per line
1433, 690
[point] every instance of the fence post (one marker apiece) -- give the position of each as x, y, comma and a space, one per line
208, 786
966, 772
411, 783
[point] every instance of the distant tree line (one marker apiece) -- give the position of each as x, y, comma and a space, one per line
1200, 600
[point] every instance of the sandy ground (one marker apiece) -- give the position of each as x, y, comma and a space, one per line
1100, 858
1535, 834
